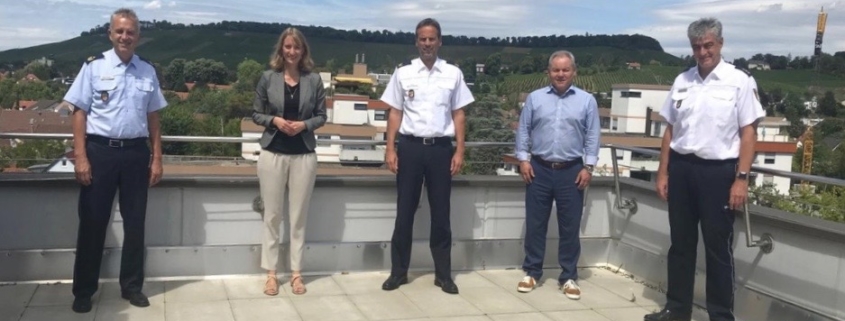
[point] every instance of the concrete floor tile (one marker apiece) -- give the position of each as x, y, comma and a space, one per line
326, 308
194, 291
274, 309
123, 311
392, 305
199, 311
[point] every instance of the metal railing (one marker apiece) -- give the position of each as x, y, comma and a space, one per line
765, 243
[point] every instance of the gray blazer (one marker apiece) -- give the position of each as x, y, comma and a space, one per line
270, 102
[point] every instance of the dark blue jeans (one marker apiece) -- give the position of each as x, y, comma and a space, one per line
558, 186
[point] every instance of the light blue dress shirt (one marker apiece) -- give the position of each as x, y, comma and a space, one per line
116, 96
559, 128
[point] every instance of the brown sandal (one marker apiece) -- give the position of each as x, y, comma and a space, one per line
271, 287
297, 288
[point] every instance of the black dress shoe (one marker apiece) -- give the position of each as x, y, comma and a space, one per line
137, 299
667, 315
393, 282
81, 305
447, 286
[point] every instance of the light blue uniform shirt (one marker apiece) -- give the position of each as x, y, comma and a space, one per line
559, 128
117, 97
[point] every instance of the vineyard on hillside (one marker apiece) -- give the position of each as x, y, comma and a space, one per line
598, 82
792, 80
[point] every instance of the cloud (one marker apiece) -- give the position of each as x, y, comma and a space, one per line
749, 26
26, 36
171, 4
152, 5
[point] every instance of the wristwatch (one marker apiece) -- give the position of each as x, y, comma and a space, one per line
589, 168
742, 175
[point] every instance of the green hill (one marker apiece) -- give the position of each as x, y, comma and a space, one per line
232, 47
790, 80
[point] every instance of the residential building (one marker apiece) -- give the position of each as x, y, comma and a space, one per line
758, 65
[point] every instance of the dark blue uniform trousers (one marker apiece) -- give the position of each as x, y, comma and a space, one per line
112, 168
558, 186
699, 190
431, 163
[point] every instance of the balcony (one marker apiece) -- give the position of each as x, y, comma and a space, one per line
203, 254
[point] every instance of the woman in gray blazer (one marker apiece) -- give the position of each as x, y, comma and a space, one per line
290, 103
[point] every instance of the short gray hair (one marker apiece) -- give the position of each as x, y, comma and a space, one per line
563, 53
701, 27
128, 14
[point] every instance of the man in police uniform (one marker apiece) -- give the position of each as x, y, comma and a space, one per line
427, 97
116, 98
713, 111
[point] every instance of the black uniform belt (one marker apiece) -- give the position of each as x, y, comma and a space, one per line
556, 165
428, 140
692, 158
116, 143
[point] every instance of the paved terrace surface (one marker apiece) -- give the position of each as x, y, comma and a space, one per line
484, 295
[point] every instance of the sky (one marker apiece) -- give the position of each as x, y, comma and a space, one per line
749, 26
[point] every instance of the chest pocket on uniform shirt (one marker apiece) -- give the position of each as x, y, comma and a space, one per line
410, 92
721, 104
142, 93
104, 91
444, 89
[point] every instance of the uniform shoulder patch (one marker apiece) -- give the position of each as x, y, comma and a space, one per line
746, 71
92, 58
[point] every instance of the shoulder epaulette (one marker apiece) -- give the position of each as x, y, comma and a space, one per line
404, 63
746, 71
145, 60
92, 58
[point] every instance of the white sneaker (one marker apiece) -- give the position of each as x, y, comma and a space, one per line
526, 285
571, 290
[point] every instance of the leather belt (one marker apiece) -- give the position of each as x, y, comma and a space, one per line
116, 143
556, 165
428, 140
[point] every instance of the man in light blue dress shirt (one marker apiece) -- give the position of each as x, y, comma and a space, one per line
557, 145
116, 98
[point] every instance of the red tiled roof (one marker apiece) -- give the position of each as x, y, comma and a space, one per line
23, 121
377, 105
776, 147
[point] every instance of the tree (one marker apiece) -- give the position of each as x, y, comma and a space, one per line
206, 70
31, 152
174, 75
824, 202
493, 64
38, 69
828, 105
249, 71
486, 121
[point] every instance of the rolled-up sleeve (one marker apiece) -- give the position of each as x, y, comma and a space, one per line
523, 132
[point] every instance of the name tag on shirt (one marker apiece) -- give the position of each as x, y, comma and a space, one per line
106, 77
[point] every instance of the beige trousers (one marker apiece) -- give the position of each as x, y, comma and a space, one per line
276, 174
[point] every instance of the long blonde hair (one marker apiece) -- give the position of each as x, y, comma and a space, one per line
277, 60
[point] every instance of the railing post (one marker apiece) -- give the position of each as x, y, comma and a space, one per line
765, 243
622, 204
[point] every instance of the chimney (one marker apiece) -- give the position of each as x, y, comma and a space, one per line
648, 123
362, 58
356, 58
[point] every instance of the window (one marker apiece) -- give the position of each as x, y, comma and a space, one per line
614, 124
381, 115
605, 122
769, 158
631, 94
768, 179
323, 137
658, 129
360, 106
